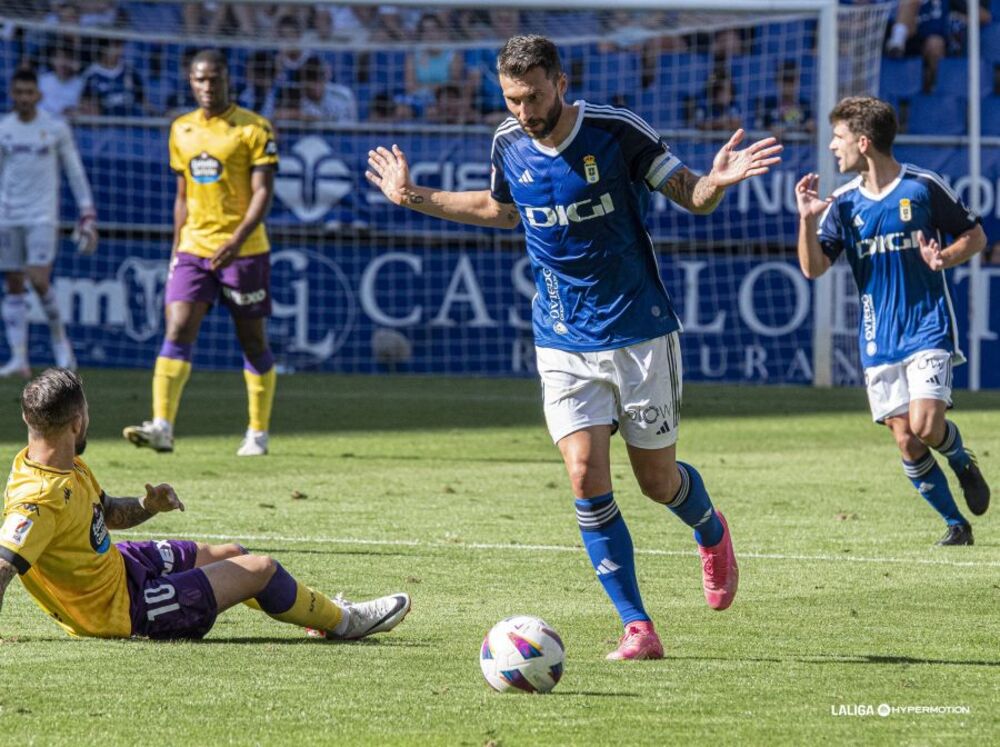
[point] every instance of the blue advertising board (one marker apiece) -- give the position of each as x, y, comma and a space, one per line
370, 308
367, 305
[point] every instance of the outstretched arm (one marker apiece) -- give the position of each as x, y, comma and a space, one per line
389, 171
702, 194
123, 513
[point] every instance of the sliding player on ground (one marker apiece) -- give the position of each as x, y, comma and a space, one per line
225, 158
578, 177
33, 146
55, 536
891, 222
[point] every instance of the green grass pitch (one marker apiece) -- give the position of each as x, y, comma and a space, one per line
450, 490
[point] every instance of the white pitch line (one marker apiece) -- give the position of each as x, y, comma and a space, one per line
236, 537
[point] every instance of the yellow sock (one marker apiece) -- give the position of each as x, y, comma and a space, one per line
310, 610
260, 395
169, 377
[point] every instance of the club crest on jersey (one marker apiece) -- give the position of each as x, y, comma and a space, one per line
205, 169
590, 170
905, 210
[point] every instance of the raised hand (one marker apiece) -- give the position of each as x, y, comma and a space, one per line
161, 498
931, 252
807, 197
731, 166
389, 171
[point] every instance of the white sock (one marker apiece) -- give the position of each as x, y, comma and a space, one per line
14, 311
51, 307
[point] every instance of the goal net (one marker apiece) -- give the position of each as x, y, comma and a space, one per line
360, 285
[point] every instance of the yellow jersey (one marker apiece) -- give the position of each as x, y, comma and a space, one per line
53, 532
215, 157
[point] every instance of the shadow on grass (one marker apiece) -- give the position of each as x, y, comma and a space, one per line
882, 659
845, 659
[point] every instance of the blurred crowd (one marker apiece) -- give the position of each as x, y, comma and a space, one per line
414, 71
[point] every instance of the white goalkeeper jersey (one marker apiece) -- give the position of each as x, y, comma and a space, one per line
30, 158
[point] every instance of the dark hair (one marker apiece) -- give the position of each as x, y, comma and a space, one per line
210, 57
522, 53
51, 400
868, 116
24, 75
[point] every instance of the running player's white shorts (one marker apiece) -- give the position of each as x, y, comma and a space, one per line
924, 375
27, 246
636, 388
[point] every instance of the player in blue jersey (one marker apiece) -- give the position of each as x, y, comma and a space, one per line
891, 222
579, 177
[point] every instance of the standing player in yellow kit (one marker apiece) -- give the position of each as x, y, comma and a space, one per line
225, 158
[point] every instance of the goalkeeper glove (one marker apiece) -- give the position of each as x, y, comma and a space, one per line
85, 233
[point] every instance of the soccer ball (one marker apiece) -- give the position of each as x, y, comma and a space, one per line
522, 653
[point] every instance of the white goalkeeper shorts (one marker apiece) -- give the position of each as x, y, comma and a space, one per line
27, 246
636, 389
923, 375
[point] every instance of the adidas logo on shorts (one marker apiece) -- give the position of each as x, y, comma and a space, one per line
663, 429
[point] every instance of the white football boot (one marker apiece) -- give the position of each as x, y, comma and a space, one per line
156, 436
254, 444
367, 618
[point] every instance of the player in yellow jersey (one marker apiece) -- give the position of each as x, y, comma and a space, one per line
55, 535
224, 158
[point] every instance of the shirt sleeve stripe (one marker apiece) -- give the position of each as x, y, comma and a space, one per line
15, 560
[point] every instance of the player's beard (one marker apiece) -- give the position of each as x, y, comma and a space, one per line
550, 121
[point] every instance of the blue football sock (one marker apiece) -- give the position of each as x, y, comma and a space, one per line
693, 506
609, 546
953, 449
930, 481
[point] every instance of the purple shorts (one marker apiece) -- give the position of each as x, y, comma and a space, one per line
169, 597
244, 285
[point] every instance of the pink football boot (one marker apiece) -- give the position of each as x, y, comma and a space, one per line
639, 641
720, 574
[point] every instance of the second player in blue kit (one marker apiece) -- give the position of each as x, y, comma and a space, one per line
891, 223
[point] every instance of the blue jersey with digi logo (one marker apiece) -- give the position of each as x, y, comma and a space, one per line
905, 306
583, 207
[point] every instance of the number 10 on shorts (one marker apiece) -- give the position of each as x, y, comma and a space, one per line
158, 600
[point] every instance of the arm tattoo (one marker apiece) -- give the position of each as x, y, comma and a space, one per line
414, 199
122, 513
7, 572
692, 192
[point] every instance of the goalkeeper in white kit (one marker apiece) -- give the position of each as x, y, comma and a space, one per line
32, 146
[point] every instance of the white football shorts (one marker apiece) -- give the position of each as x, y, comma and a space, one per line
924, 375
27, 246
635, 388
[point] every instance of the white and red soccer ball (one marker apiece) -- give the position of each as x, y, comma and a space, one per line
522, 653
